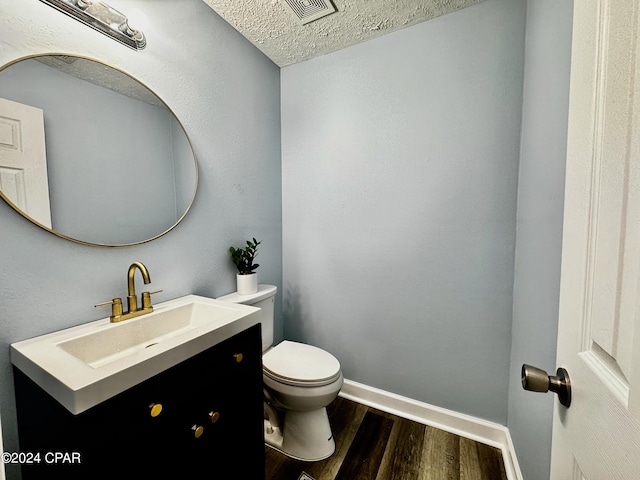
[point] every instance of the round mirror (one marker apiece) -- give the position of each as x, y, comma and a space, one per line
90, 154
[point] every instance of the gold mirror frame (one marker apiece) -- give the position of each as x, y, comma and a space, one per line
164, 104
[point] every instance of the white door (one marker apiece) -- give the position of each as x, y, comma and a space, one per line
23, 163
598, 436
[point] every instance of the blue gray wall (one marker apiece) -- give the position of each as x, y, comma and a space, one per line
400, 170
227, 95
539, 239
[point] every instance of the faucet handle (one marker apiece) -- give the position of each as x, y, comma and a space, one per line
146, 298
116, 309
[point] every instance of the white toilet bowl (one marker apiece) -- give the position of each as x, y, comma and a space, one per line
300, 381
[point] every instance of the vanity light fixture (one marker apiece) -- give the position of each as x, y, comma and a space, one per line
102, 17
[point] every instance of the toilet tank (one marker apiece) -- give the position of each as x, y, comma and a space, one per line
264, 298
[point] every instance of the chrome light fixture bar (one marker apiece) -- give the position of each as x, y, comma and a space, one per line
102, 17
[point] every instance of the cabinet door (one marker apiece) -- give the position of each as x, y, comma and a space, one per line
228, 406
242, 372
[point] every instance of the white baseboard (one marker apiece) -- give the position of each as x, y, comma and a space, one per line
467, 426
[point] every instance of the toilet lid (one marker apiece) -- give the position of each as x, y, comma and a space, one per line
296, 363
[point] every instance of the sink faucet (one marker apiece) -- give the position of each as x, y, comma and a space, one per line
132, 300
117, 315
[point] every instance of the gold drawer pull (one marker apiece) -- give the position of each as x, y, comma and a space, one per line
155, 409
238, 357
214, 416
197, 431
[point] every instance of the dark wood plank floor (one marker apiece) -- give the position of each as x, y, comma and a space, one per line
374, 445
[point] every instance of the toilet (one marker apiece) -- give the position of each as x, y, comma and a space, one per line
299, 382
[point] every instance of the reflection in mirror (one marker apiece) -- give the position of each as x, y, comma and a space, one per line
117, 168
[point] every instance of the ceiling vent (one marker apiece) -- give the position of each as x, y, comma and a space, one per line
309, 10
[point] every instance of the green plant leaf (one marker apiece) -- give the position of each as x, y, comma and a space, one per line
243, 257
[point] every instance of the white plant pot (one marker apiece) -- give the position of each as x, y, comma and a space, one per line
247, 284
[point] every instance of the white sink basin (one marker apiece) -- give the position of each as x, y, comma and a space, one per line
85, 365
123, 339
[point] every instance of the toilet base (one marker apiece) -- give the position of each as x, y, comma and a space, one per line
306, 435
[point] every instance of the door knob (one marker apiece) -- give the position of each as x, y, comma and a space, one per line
537, 380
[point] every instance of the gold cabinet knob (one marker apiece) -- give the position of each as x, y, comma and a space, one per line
238, 357
214, 416
198, 430
155, 409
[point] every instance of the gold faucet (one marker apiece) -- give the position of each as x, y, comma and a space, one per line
117, 315
132, 300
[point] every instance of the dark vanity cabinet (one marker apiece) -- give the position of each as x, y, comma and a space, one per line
203, 416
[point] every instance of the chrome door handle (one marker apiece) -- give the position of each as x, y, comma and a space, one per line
537, 380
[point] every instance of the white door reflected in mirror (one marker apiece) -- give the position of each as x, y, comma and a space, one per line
23, 162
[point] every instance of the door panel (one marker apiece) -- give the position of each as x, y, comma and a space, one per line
599, 436
23, 163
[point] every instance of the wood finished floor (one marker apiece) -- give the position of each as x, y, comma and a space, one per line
374, 445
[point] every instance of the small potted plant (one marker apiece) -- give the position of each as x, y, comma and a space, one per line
243, 258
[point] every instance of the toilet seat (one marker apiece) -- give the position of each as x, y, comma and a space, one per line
298, 364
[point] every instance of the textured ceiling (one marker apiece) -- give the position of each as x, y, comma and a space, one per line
272, 26
102, 76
